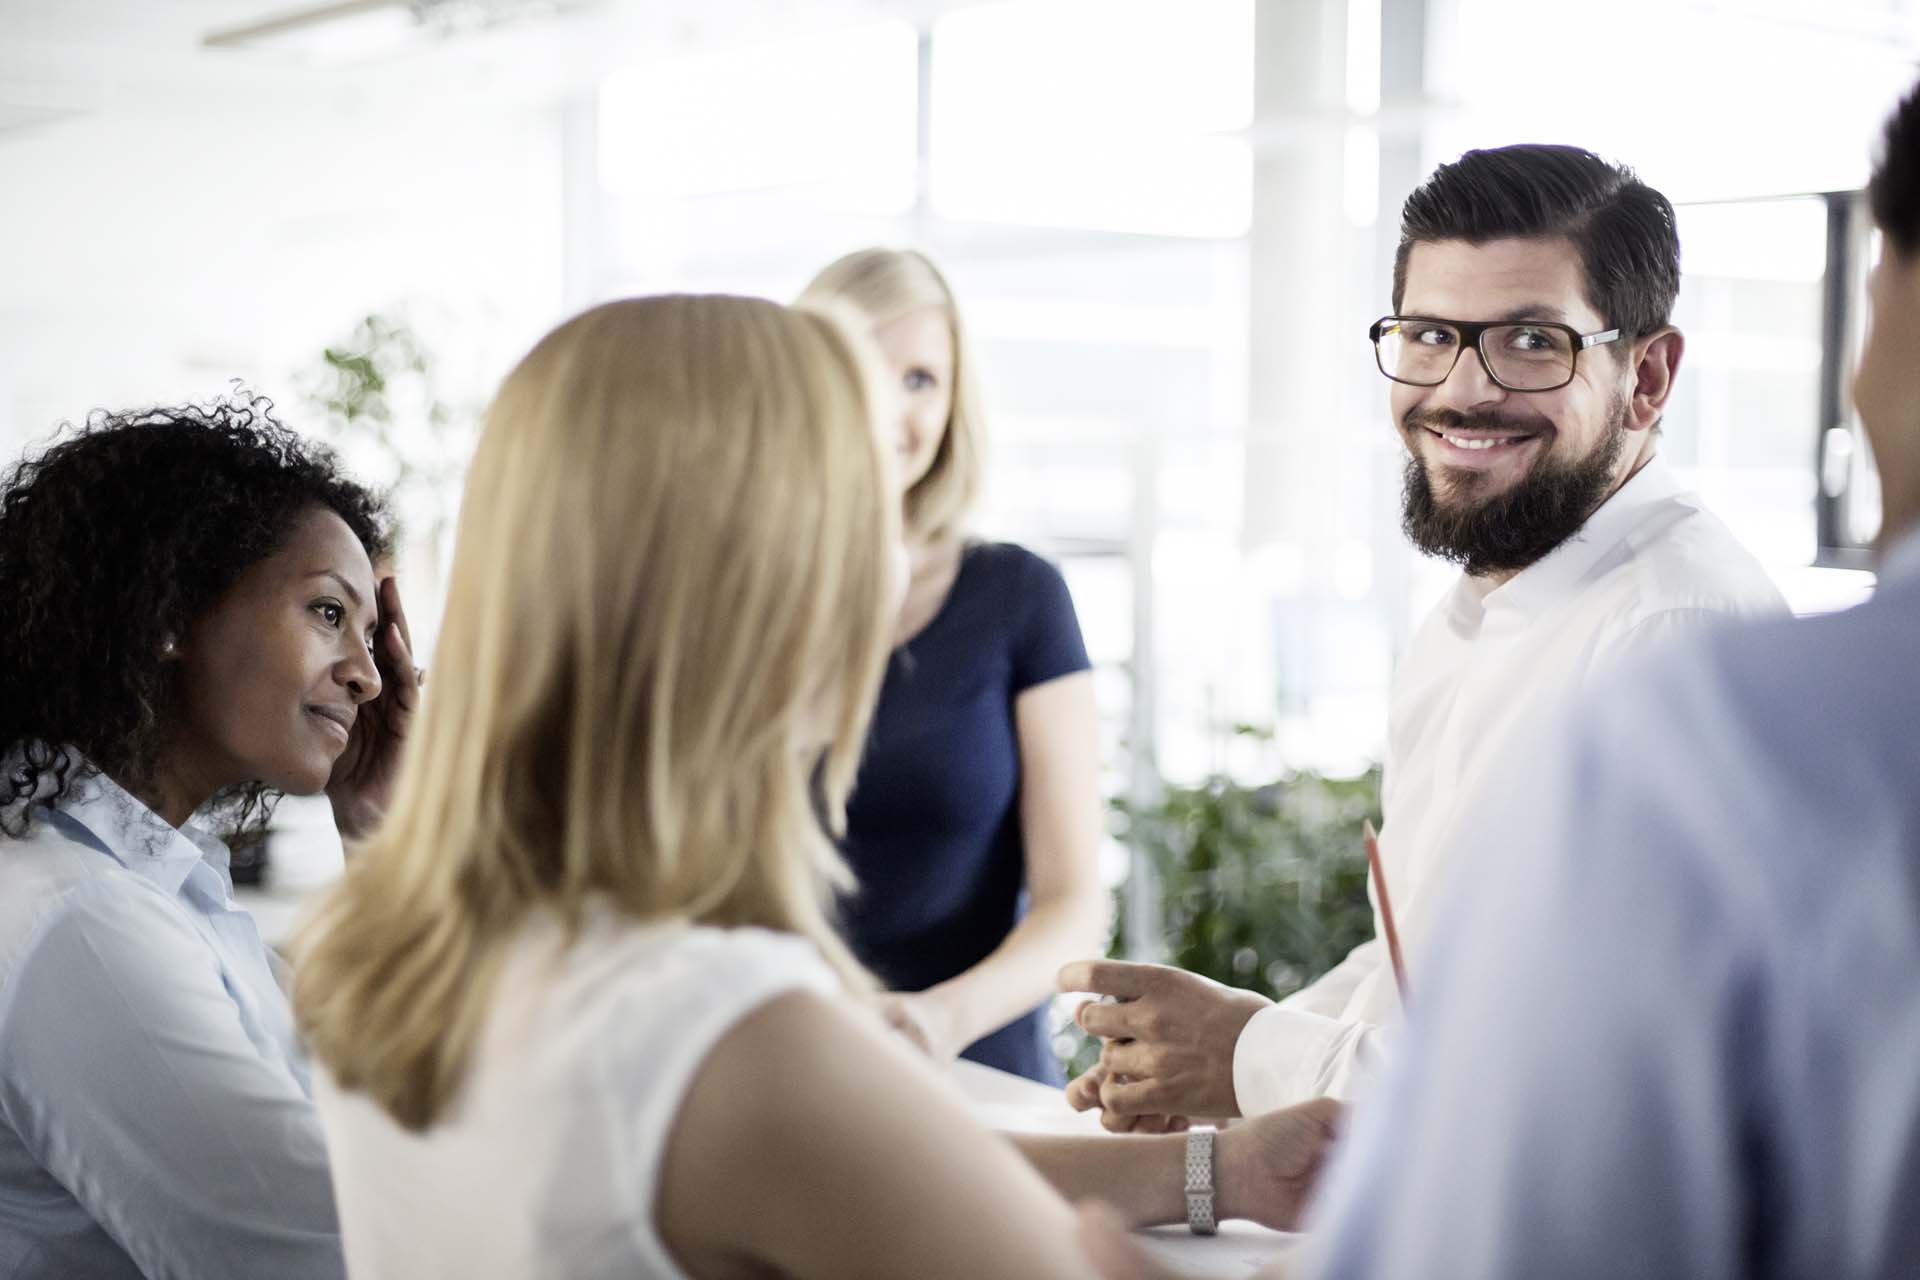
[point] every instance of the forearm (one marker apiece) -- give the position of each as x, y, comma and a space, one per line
1019, 973
1143, 1178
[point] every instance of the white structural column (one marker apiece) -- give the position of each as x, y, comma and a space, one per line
1404, 107
1296, 255
1340, 103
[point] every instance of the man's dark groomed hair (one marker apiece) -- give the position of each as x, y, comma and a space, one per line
1894, 192
1623, 228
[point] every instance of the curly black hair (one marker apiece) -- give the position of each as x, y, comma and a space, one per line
114, 539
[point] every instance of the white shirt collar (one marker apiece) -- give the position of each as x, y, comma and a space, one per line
1901, 560
1558, 575
138, 838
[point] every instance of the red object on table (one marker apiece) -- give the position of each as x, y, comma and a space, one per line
1386, 907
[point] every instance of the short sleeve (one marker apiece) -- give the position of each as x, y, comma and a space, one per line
689, 1000
1048, 644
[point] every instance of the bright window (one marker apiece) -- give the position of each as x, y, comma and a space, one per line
1100, 114
1708, 99
833, 113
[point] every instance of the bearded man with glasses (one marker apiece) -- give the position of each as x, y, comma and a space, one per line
1532, 356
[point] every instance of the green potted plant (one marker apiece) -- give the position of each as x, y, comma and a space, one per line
1261, 885
377, 395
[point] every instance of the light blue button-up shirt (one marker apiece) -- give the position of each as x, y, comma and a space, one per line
155, 1112
1703, 891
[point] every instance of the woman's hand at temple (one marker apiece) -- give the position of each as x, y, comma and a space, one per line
363, 776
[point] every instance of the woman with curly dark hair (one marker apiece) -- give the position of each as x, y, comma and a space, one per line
190, 624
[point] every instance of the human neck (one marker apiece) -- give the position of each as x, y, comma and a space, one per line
933, 566
175, 790
930, 558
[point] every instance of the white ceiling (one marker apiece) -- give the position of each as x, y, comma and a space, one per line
59, 60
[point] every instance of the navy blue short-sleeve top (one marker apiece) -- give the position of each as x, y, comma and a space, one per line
933, 826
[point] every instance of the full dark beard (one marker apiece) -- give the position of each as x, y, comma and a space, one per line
1511, 530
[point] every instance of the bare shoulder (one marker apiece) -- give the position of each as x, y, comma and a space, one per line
793, 1047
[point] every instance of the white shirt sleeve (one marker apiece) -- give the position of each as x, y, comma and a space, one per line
1310, 1045
127, 1072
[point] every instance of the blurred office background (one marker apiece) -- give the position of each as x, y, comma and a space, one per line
1170, 223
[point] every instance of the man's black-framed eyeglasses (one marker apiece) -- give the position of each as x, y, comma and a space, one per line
1520, 355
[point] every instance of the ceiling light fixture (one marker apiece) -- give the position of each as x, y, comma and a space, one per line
356, 30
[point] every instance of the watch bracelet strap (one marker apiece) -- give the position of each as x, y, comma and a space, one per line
1200, 1218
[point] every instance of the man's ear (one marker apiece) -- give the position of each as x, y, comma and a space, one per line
1656, 362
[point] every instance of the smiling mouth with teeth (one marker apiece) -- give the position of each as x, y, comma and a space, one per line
1462, 442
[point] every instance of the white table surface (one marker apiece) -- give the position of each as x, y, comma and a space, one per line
1013, 1104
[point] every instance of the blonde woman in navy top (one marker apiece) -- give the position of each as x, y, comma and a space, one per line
974, 824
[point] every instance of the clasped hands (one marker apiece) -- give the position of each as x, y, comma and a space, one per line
1169, 1040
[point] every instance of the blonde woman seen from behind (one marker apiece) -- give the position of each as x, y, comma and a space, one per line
976, 882
577, 1005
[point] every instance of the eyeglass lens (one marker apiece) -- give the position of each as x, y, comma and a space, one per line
1521, 356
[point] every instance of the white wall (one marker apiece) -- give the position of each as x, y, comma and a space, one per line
148, 255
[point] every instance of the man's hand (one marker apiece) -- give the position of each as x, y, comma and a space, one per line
1268, 1165
1083, 1094
1169, 1043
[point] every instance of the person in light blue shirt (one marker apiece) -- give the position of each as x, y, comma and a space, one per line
1704, 886
190, 623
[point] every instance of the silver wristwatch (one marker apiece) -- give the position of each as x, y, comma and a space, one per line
1200, 1219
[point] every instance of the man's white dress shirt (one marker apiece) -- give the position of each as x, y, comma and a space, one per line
1651, 563
154, 1111
1670, 1024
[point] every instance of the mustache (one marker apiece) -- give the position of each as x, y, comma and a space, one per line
1454, 420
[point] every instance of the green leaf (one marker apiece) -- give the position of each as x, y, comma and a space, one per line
1263, 887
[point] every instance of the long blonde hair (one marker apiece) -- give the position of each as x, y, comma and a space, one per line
883, 285
671, 582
